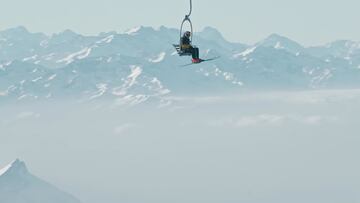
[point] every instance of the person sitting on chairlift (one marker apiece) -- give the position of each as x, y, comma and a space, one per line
188, 48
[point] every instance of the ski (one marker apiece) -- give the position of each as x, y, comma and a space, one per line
202, 60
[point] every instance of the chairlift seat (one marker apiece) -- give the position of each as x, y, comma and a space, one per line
180, 51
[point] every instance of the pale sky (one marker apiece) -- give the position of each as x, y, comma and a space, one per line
310, 22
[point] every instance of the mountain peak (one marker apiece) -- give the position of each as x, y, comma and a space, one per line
211, 33
15, 167
211, 29
18, 185
68, 33
20, 30
139, 30
275, 38
277, 41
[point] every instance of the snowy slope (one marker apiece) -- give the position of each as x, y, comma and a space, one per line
17, 185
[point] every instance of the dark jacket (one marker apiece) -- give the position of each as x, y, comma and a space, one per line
185, 43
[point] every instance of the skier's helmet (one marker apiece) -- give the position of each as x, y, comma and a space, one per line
187, 34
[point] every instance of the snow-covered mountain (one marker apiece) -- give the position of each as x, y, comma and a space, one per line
141, 64
279, 42
17, 185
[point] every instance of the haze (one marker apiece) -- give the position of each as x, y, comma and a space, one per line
274, 147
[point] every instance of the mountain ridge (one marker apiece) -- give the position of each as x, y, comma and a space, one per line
140, 64
206, 29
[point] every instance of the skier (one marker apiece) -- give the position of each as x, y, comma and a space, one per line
188, 48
